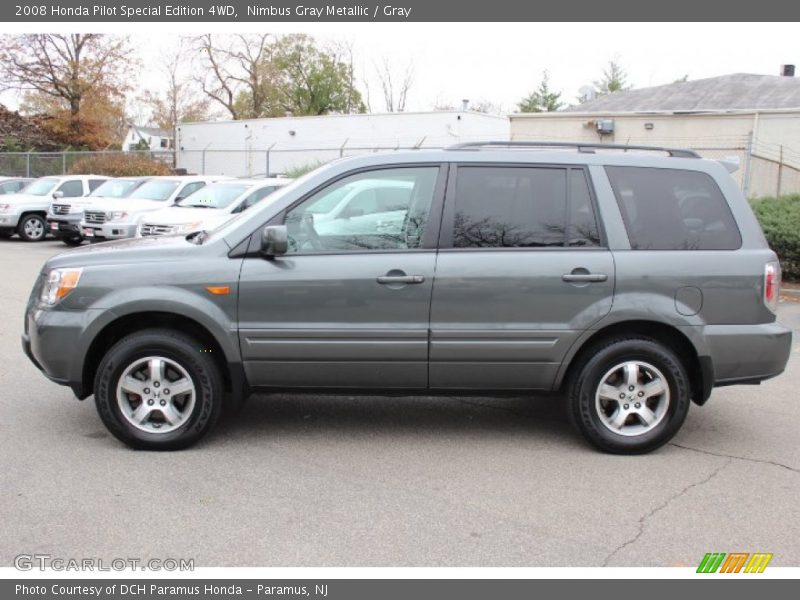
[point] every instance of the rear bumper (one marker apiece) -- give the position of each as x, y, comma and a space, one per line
747, 353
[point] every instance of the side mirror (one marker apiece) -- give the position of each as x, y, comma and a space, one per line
58, 195
274, 240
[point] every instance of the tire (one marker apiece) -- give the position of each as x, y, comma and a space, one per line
646, 418
185, 417
32, 228
73, 241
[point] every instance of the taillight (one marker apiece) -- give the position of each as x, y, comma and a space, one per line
772, 285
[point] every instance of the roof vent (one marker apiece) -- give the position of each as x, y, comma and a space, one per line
787, 70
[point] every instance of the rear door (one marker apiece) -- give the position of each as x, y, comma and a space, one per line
523, 269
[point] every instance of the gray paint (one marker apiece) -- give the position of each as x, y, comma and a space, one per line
479, 319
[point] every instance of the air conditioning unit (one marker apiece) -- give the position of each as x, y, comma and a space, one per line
605, 126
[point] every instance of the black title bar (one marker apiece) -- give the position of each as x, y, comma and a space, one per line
310, 11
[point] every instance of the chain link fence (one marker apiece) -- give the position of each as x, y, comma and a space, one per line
41, 164
764, 169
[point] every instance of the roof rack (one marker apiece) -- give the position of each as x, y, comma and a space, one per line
587, 147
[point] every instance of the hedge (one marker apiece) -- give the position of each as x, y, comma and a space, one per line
119, 165
780, 220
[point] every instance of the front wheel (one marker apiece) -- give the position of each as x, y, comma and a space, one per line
73, 241
32, 228
629, 396
156, 390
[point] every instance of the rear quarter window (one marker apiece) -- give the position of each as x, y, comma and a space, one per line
673, 209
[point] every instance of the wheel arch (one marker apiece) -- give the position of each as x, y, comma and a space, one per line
127, 324
698, 367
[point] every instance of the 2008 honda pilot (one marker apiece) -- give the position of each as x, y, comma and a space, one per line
632, 282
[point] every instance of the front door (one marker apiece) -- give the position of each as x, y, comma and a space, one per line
348, 305
522, 271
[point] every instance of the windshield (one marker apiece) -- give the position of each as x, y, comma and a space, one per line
276, 196
115, 188
155, 189
40, 187
214, 196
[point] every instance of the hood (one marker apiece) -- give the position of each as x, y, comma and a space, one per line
127, 204
78, 204
132, 250
25, 199
175, 215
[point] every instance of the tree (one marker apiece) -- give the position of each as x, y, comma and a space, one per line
614, 79
236, 73
71, 76
395, 91
181, 101
541, 100
486, 107
313, 80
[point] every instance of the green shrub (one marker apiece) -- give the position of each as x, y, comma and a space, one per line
119, 165
301, 170
780, 220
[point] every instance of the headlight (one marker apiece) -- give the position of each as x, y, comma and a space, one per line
4, 207
117, 215
60, 282
184, 227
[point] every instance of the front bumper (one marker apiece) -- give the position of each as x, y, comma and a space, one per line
9, 220
108, 231
64, 226
53, 341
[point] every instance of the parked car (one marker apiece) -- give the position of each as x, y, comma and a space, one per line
64, 217
25, 212
363, 206
12, 185
119, 219
209, 206
518, 269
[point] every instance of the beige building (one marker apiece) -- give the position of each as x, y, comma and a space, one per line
754, 119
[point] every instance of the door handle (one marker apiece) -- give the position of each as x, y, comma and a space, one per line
584, 277
394, 279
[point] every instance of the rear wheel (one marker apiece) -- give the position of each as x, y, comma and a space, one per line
32, 228
156, 390
630, 395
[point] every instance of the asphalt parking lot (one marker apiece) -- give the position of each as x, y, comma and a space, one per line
340, 481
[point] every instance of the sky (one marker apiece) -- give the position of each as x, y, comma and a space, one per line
501, 62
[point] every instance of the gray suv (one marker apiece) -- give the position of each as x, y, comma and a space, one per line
631, 282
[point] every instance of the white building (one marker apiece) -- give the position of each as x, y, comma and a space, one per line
153, 138
754, 119
277, 145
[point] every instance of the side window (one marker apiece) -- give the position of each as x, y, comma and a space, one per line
673, 209
255, 197
385, 209
95, 183
510, 207
583, 229
8, 188
72, 188
189, 188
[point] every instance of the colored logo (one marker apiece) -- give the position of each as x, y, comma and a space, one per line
734, 562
